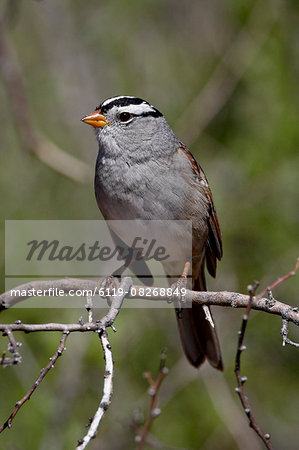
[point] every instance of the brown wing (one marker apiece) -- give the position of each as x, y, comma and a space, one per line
214, 241
198, 337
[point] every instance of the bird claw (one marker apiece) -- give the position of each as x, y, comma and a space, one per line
109, 284
177, 287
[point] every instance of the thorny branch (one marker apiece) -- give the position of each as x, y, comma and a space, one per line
241, 380
280, 280
153, 392
284, 332
100, 327
241, 347
43, 373
13, 347
107, 393
105, 322
220, 298
125, 289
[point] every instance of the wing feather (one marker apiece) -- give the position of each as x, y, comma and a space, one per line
214, 241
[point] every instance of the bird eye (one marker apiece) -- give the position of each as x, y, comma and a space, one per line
124, 116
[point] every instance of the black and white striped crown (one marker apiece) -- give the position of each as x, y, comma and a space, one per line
133, 105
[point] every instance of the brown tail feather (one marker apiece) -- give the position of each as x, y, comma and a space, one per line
199, 338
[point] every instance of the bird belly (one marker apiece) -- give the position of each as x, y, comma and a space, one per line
147, 194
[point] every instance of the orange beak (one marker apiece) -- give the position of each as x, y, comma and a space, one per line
96, 119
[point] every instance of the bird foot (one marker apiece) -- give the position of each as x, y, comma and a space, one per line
109, 286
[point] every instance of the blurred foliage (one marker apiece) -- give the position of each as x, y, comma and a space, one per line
73, 55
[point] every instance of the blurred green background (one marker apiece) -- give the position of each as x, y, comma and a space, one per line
225, 75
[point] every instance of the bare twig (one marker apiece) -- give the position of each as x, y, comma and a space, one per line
106, 321
126, 289
100, 327
107, 393
241, 379
153, 392
228, 409
220, 298
43, 373
63, 327
6, 361
284, 332
13, 347
280, 280
13, 344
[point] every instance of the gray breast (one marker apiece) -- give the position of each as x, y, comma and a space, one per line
148, 189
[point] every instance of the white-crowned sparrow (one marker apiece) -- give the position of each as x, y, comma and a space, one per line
143, 171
